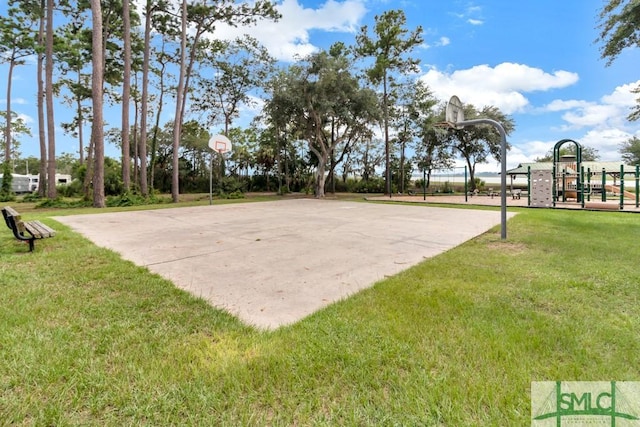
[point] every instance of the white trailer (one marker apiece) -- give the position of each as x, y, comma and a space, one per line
20, 184
61, 179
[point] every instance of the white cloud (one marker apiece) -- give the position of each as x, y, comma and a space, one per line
254, 106
610, 111
535, 149
501, 86
623, 95
444, 41
563, 105
603, 123
606, 141
14, 101
472, 15
290, 36
593, 115
26, 118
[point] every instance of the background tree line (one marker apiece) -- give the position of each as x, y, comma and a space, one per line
348, 113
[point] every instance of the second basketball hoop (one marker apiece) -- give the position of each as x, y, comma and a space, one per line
454, 112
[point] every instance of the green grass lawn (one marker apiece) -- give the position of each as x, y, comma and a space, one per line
89, 339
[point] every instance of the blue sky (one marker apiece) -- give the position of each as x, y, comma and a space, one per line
536, 60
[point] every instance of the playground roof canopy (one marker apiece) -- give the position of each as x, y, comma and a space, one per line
609, 167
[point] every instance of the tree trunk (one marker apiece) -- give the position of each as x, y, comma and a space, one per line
332, 158
279, 160
154, 138
287, 174
402, 168
387, 155
472, 173
320, 177
51, 159
80, 116
177, 126
126, 95
7, 129
80, 127
189, 67
142, 143
88, 176
136, 114
42, 181
97, 132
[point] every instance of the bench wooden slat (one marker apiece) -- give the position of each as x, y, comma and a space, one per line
11, 211
39, 230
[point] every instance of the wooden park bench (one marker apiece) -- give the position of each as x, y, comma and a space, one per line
27, 231
516, 193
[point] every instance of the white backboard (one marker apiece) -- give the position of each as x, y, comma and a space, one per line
220, 143
455, 110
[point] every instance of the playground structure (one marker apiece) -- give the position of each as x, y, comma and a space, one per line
574, 183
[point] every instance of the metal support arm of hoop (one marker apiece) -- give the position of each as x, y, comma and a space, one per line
503, 164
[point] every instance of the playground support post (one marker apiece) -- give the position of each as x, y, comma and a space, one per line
621, 187
528, 185
588, 184
604, 185
554, 186
582, 186
637, 185
503, 168
466, 190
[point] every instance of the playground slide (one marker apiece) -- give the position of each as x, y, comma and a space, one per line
615, 189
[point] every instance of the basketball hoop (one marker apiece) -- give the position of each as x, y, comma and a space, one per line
454, 113
446, 125
220, 144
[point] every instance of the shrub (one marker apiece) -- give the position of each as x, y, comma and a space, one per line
235, 195
232, 184
372, 185
73, 189
126, 199
32, 197
6, 195
59, 202
133, 199
479, 184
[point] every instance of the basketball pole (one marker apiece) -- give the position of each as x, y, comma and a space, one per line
454, 115
211, 179
503, 168
219, 144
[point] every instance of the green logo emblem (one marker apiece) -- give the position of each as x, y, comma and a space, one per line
585, 403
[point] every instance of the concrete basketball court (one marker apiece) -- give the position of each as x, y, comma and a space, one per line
273, 263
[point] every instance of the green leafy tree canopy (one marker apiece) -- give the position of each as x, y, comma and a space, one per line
620, 29
630, 150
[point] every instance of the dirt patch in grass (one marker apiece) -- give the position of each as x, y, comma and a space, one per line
510, 247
